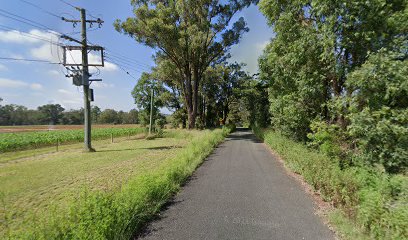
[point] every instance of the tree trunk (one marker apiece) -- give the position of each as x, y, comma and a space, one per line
190, 112
188, 98
195, 95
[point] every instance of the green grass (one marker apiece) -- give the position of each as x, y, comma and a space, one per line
345, 227
27, 140
370, 201
109, 194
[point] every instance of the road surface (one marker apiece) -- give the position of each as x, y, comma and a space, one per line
239, 192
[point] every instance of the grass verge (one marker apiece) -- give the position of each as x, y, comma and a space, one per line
370, 204
121, 213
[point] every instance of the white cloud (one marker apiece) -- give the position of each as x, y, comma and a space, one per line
102, 85
32, 37
261, 46
110, 67
49, 35
46, 52
43, 48
78, 101
75, 56
68, 97
16, 37
252, 44
36, 86
8, 95
3, 67
37, 94
248, 52
10, 83
63, 91
17, 56
54, 73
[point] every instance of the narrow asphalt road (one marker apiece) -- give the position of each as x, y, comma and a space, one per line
240, 192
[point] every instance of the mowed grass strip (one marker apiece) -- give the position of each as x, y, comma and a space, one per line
33, 183
120, 214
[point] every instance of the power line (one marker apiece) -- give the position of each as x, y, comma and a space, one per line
90, 29
127, 67
73, 59
66, 13
120, 56
119, 59
40, 8
130, 64
22, 21
125, 71
27, 60
90, 15
69, 4
51, 13
30, 35
25, 20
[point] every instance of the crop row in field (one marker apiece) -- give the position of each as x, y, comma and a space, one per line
36, 128
27, 140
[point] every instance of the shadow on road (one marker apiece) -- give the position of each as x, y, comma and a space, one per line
244, 134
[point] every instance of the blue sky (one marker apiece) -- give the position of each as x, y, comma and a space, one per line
33, 84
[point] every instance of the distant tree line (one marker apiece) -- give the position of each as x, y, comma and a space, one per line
12, 114
226, 95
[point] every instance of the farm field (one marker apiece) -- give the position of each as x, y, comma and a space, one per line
34, 181
36, 128
36, 139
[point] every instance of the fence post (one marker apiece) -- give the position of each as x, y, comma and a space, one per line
111, 137
57, 144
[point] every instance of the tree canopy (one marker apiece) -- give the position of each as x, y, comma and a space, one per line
336, 72
191, 34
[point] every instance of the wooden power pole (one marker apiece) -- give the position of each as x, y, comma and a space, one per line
84, 76
151, 110
85, 81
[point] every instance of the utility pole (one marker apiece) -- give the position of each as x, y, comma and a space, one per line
85, 81
84, 78
151, 110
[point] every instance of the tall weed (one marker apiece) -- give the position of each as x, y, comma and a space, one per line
375, 201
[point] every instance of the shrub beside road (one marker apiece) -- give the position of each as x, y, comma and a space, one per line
373, 204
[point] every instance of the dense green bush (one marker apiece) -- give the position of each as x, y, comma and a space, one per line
375, 201
159, 123
378, 110
326, 138
229, 128
344, 63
